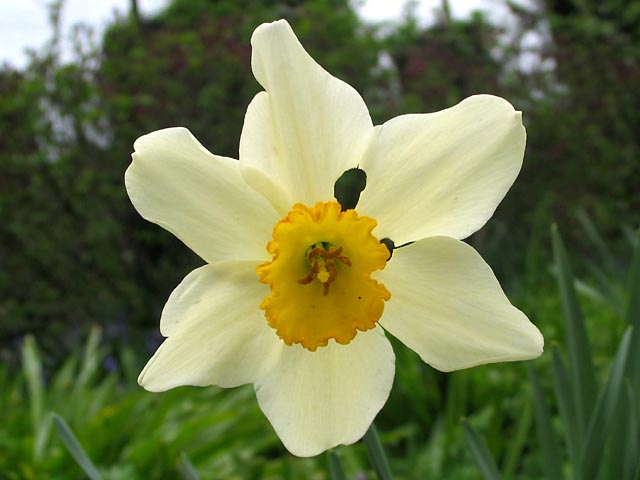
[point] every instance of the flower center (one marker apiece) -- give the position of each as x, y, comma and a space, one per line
320, 276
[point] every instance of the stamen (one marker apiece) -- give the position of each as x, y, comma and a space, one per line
323, 265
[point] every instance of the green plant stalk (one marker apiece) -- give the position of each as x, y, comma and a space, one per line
632, 314
518, 443
605, 410
336, 472
480, 453
75, 449
548, 441
563, 396
376, 454
581, 360
186, 467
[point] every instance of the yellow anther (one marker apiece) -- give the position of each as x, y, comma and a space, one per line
323, 274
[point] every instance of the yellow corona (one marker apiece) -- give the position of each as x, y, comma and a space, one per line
320, 275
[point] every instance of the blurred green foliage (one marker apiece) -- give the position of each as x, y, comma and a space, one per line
75, 253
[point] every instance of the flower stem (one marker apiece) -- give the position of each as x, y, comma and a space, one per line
376, 454
336, 471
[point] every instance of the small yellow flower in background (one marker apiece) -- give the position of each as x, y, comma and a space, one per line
297, 294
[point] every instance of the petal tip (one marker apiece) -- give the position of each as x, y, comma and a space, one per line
267, 27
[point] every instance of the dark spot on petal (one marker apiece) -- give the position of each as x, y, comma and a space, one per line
348, 188
387, 242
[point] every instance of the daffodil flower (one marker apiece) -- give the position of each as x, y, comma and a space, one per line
297, 292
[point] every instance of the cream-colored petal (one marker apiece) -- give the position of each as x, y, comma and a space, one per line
447, 305
217, 333
442, 173
199, 197
306, 130
318, 400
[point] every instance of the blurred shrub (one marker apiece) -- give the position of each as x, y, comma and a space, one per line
74, 251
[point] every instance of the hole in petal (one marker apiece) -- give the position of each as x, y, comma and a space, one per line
348, 187
387, 242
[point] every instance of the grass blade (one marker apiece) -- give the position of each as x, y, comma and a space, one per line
32, 367
376, 454
74, 447
565, 403
601, 245
187, 469
631, 456
633, 314
547, 437
603, 415
91, 358
519, 441
336, 472
622, 449
582, 379
480, 453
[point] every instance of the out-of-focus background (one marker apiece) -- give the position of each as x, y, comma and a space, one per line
83, 278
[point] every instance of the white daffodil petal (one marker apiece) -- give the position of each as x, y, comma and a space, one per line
447, 305
442, 173
318, 400
217, 333
261, 157
309, 127
199, 197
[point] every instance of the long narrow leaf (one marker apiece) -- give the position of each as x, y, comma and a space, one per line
32, 367
376, 454
607, 288
74, 447
546, 436
601, 245
91, 358
480, 453
567, 413
187, 469
336, 472
583, 378
603, 415
631, 456
633, 314
516, 447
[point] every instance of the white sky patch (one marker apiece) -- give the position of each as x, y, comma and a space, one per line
386, 10
24, 24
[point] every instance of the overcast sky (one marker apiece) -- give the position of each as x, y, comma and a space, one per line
24, 23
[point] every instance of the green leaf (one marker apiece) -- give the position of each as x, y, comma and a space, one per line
376, 454
633, 288
336, 472
32, 367
74, 447
603, 415
480, 453
516, 447
582, 380
592, 234
607, 288
187, 469
631, 457
91, 358
633, 314
548, 441
567, 413
622, 449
